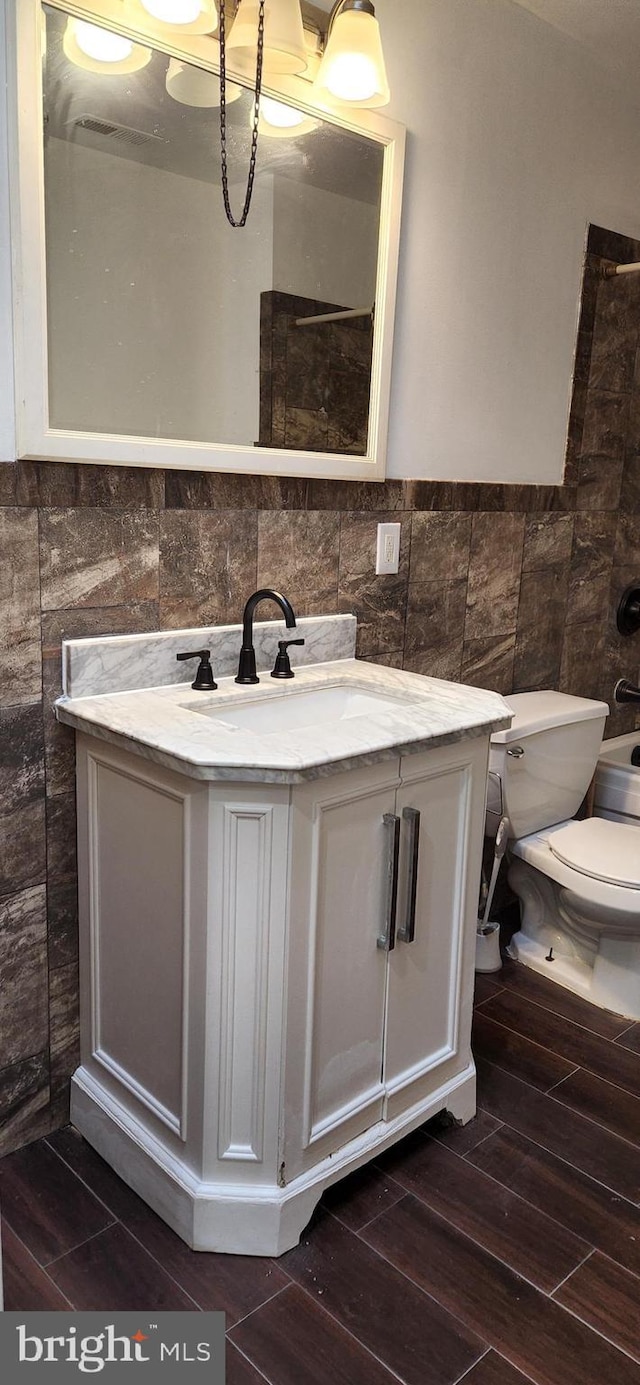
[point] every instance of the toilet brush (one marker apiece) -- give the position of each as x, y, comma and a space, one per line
500, 848
488, 934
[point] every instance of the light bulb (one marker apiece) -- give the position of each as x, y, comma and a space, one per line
99, 50
173, 11
278, 121
283, 117
351, 77
101, 44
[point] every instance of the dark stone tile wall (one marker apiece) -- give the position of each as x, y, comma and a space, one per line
315, 379
509, 587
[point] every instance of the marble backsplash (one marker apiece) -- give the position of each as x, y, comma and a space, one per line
499, 586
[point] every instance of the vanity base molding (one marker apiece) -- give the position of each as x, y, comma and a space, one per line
228, 1218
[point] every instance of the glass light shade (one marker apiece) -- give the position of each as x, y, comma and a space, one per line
100, 50
278, 121
352, 67
192, 86
285, 50
186, 16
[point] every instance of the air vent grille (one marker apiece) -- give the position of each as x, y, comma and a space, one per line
122, 134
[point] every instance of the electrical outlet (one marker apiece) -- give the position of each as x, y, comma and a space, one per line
388, 548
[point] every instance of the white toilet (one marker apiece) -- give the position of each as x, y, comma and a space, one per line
578, 882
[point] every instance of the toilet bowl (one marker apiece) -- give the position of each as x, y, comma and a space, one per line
578, 882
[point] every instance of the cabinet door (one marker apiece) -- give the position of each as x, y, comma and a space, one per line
430, 978
337, 978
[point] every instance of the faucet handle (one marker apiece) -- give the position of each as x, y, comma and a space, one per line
203, 680
282, 667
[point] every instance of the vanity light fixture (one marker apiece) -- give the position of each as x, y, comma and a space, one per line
352, 67
284, 47
99, 50
194, 86
278, 121
185, 16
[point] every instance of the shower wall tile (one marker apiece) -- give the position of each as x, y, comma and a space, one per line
7, 483
21, 757
615, 335
62, 922
591, 564
548, 539
440, 546
378, 602
495, 569
22, 848
541, 620
298, 554
61, 836
24, 1101
605, 424
207, 566
582, 660
64, 1027
97, 557
435, 629
24, 993
20, 659
59, 485
356, 495
599, 482
195, 490
630, 492
627, 542
489, 663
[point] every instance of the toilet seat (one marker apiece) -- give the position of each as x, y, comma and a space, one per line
604, 850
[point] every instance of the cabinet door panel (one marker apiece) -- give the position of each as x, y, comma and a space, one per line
341, 846
422, 1000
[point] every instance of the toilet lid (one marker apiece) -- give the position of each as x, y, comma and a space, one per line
600, 848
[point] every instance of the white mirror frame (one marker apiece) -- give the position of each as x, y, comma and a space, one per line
36, 440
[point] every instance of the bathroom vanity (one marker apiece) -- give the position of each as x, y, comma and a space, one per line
278, 899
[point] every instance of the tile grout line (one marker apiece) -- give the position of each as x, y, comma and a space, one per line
526, 1000
566, 1077
72, 1249
343, 1328
553, 1292
565, 1107
253, 1311
597, 1332
563, 1160
246, 1358
42, 1268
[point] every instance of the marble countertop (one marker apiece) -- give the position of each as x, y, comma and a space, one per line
162, 724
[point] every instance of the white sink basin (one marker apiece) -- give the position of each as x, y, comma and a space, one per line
294, 711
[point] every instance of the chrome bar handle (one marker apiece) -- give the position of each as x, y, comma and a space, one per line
407, 933
387, 939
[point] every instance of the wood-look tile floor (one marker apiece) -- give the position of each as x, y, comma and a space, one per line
498, 1253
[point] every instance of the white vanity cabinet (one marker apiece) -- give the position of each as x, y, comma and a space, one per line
248, 1036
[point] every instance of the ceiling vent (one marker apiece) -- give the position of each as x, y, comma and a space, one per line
120, 134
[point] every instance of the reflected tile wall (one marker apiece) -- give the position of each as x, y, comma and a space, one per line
500, 586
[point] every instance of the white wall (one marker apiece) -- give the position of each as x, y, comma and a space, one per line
146, 296
324, 246
516, 142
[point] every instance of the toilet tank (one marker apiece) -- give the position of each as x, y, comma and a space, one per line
540, 768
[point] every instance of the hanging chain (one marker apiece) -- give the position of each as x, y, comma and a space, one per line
223, 116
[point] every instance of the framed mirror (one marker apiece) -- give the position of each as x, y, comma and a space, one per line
151, 332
